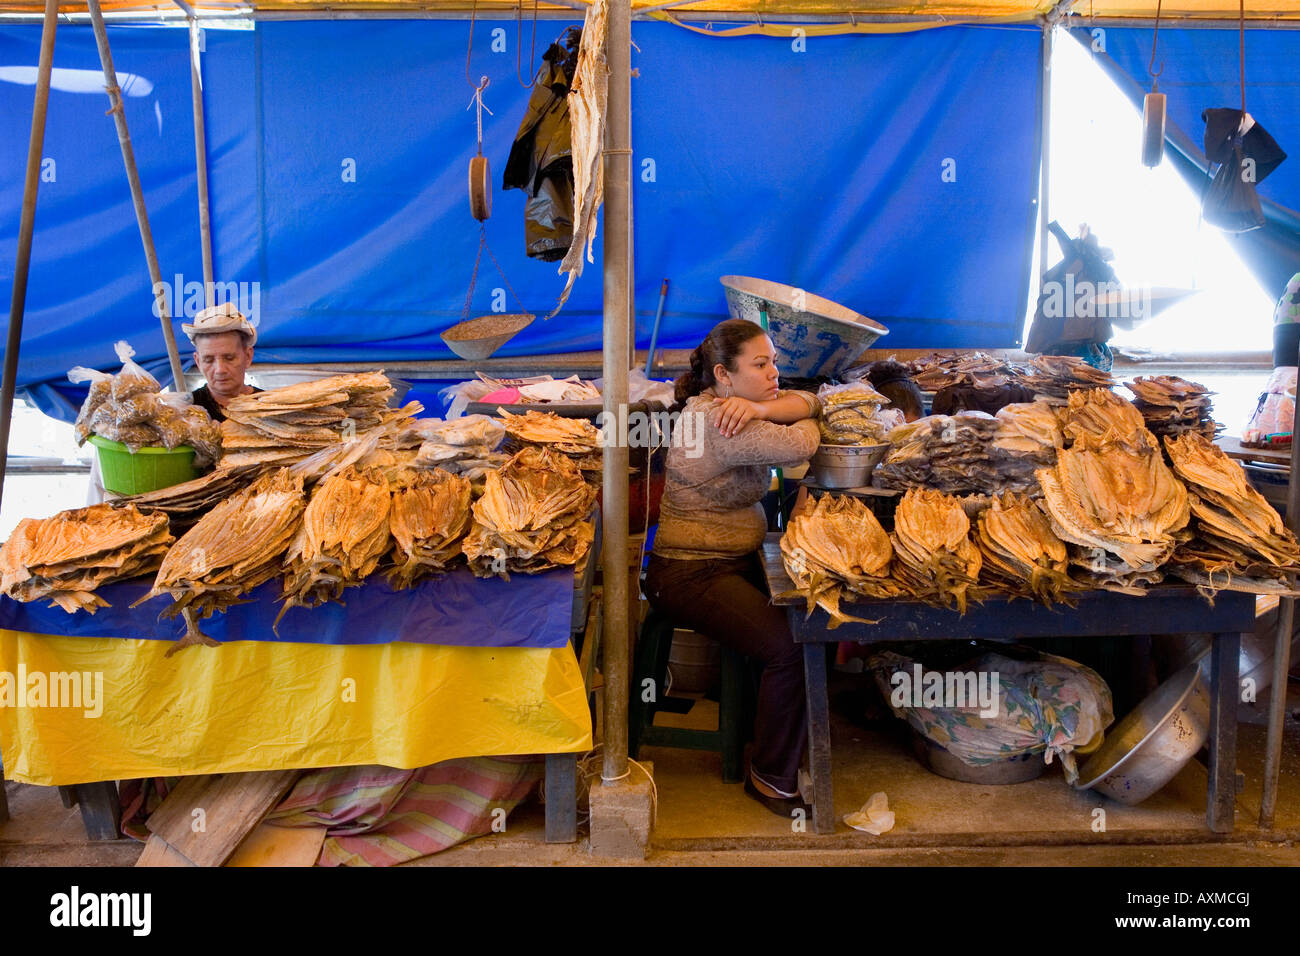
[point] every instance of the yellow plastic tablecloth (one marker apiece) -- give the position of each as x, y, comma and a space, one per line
260, 705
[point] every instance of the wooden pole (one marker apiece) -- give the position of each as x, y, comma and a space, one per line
618, 287
201, 162
26, 226
137, 194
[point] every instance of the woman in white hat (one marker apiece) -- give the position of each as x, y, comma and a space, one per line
223, 351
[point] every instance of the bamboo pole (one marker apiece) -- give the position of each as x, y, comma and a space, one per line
137, 193
617, 290
26, 226
201, 161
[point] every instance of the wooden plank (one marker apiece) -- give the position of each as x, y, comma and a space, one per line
269, 845
1233, 448
158, 852
1224, 691
231, 804
819, 737
101, 811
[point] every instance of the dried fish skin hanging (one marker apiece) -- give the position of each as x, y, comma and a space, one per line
1240, 542
836, 548
343, 536
934, 557
430, 514
1021, 554
532, 516
66, 557
235, 547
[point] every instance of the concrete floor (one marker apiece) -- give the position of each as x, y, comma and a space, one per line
702, 821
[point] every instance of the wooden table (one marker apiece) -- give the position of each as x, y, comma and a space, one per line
1233, 448
1164, 610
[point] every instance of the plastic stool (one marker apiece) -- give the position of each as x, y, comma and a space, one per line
653, 648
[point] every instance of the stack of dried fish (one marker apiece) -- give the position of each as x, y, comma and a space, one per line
576, 438
933, 554
1112, 495
1021, 554
947, 452
66, 557
938, 371
344, 534
1028, 437
185, 503
235, 547
1240, 541
1173, 405
855, 415
1058, 375
835, 547
463, 446
430, 515
287, 424
533, 515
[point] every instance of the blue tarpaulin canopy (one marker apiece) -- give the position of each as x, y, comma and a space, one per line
895, 174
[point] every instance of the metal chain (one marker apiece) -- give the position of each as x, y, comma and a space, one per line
473, 279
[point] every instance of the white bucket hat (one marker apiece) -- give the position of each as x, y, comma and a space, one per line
220, 318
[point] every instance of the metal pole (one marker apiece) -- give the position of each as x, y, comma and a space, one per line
1045, 172
26, 225
201, 161
137, 194
1281, 650
618, 288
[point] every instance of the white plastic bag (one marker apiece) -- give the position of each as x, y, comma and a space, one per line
101, 391
132, 379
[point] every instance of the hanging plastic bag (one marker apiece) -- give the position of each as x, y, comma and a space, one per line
1231, 202
101, 391
132, 379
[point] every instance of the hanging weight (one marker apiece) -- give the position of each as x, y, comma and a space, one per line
1153, 129
480, 188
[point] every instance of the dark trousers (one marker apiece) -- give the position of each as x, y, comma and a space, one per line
727, 600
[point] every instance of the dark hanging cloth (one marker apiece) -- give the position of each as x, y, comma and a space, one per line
1231, 202
541, 159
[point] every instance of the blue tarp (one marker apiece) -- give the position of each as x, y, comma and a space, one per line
529, 610
895, 174
1201, 71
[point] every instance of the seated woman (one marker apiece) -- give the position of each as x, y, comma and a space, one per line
704, 571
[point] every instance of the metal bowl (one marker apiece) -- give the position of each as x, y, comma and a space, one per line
847, 466
1148, 748
813, 336
938, 759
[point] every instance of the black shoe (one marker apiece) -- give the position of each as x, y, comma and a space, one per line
781, 806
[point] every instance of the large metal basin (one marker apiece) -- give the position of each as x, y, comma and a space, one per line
813, 336
847, 466
1148, 748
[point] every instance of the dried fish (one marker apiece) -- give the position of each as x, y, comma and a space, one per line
533, 515
65, 558
430, 515
235, 547
934, 557
343, 536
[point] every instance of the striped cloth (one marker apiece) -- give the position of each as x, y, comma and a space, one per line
380, 816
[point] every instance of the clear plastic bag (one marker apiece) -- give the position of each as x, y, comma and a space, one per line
101, 391
132, 379
142, 408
